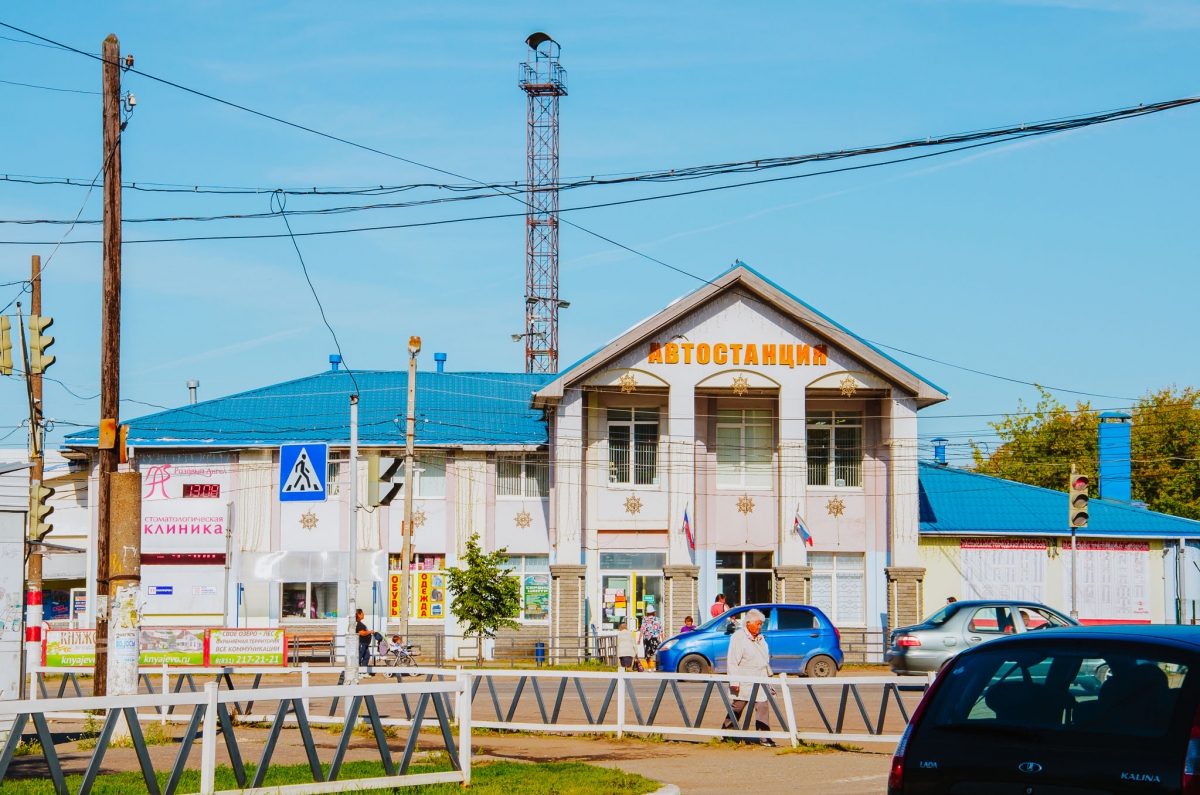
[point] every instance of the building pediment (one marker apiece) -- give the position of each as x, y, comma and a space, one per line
741, 320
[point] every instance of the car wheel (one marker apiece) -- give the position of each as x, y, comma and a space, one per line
694, 664
821, 667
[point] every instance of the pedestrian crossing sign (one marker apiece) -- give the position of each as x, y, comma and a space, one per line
303, 472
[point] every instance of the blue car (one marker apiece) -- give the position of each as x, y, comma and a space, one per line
802, 640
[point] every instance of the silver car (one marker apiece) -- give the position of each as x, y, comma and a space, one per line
928, 646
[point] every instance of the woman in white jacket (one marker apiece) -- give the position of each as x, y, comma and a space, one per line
749, 655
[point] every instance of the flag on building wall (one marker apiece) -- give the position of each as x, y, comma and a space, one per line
687, 531
801, 530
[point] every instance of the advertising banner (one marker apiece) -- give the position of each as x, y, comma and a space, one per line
427, 594
247, 647
537, 597
1004, 568
1114, 581
183, 505
172, 646
68, 648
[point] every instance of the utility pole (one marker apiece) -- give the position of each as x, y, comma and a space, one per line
352, 601
414, 347
125, 583
110, 346
33, 576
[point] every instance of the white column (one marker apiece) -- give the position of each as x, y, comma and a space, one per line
568, 477
905, 506
793, 476
679, 444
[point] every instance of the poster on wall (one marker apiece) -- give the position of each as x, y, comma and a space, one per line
427, 594
247, 647
68, 648
1004, 568
1114, 580
537, 597
183, 505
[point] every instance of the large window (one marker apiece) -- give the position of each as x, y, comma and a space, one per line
744, 577
429, 472
525, 475
838, 586
744, 448
835, 448
533, 572
633, 446
309, 600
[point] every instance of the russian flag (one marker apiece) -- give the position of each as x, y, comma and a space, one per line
687, 531
799, 527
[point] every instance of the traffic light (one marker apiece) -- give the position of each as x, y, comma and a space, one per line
1077, 508
378, 476
39, 360
5, 346
39, 510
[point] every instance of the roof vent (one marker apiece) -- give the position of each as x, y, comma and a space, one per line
440, 358
334, 360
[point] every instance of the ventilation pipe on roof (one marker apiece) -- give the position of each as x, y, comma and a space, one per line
192, 387
939, 450
334, 360
440, 358
1115, 454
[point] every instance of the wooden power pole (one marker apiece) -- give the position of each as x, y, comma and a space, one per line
110, 347
33, 576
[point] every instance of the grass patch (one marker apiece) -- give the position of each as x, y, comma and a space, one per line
153, 734
28, 748
493, 778
818, 748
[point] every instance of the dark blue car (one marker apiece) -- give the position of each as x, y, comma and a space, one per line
802, 640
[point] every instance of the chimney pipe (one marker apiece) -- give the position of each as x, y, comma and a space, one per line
334, 360
1115, 453
192, 387
939, 450
440, 358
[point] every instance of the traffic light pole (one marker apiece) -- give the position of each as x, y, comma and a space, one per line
1074, 577
33, 576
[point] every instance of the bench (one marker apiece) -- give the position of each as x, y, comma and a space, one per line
311, 646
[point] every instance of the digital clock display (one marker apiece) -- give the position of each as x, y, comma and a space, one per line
204, 490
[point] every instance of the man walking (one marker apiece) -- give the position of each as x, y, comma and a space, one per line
750, 656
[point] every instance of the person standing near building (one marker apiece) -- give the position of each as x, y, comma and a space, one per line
626, 649
364, 639
652, 634
750, 656
719, 605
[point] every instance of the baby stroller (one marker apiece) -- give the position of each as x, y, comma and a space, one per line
393, 655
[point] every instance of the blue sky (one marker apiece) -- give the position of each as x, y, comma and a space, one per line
1067, 260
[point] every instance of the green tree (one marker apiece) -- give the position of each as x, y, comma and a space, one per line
1166, 451
1038, 447
485, 597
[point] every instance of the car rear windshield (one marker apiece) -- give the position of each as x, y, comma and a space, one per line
942, 616
1039, 692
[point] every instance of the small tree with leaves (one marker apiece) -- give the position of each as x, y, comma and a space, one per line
485, 597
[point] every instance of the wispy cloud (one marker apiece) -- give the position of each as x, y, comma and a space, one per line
237, 347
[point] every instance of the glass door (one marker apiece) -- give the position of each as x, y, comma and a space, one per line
616, 599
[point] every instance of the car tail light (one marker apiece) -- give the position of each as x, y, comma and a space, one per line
896, 772
908, 640
1191, 763
838, 635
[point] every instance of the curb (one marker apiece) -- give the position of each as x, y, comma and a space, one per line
666, 789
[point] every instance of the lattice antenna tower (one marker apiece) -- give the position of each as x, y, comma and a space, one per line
543, 80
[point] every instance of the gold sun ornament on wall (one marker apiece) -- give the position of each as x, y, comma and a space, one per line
745, 504
741, 385
628, 382
835, 506
418, 518
523, 520
633, 506
848, 386
308, 520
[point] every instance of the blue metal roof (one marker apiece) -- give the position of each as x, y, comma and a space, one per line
452, 409
956, 502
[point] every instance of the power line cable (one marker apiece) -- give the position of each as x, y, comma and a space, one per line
49, 88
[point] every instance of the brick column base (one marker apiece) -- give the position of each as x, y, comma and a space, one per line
793, 585
567, 591
682, 597
905, 595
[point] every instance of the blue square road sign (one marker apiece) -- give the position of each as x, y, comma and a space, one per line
302, 472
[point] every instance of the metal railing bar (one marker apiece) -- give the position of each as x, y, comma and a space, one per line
41, 680
410, 745
512, 708
139, 746
775, 708
633, 702
862, 710
841, 718
662, 688
447, 733
314, 761
10, 745
93, 766
264, 760
344, 741
679, 702
562, 689
612, 688
820, 710
537, 692
495, 699
704, 703
333, 706
724, 692
750, 705
185, 750
385, 754
225, 726
587, 710
47, 741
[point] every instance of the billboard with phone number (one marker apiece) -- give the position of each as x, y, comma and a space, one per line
76, 648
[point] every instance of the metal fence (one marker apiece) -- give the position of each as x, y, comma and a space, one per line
211, 714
